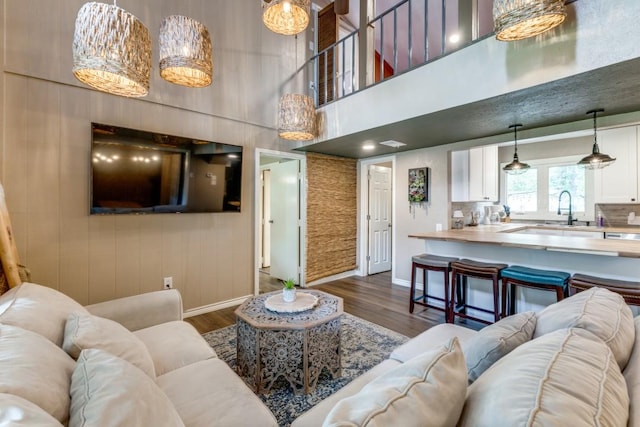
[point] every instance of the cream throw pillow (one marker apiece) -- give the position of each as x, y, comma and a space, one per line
84, 331
426, 390
108, 391
493, 342
35, 369
16, 412
598, 310
39, 309
566, 378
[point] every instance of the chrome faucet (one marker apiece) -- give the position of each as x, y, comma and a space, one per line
569, 218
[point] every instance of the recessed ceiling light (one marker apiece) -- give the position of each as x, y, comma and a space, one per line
393, 144
454, 38
368, 147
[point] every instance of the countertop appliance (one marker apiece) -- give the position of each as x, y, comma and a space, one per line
622, 236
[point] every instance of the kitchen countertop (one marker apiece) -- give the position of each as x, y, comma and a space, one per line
504, 234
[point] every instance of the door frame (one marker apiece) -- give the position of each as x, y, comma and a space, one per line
257, 217
363, 234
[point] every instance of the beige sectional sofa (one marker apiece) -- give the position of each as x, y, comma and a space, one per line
134, 362
127, 362
575, 363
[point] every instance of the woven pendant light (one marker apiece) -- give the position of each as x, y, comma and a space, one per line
596, 160
286, 17
185, 52
111, 50
515, 167
520, 19
296, 117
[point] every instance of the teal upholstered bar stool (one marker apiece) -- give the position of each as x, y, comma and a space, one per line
517, 275
428, 262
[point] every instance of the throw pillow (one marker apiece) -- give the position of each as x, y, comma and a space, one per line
567, 377
35, 369
493, 342
108, 391
39, 309
632, 376
16, 411
431, 387
84, 331
598, 310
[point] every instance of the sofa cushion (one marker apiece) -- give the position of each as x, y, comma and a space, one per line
566, 377
209, 393
34, 368
173, 345
16, 412
39, 309
108, 391
84, 331
495, 341
598, 310
632, 376
430, 339
429, 387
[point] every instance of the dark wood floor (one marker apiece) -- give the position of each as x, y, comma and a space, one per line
373, 298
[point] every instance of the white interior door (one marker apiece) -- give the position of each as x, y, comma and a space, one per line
285, 220
379, 219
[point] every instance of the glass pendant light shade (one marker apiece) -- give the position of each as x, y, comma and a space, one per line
515, 167
520, 19
596, 160
185, 52
111, 50
296, 117
286, 17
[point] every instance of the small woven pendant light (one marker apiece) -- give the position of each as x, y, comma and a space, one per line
296, 117
111, 50
185, 52
286, 17
520, 19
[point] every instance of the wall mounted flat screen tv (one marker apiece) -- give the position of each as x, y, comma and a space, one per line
134, 171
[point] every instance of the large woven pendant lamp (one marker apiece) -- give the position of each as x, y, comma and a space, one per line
111, 50
185, 52
296, 117
596, 160
520, 19
286, 17
516, 167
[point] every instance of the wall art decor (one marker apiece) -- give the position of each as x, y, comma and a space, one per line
418, 186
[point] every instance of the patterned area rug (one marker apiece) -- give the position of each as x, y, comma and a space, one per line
364, 345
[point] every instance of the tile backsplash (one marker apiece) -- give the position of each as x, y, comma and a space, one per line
616, 215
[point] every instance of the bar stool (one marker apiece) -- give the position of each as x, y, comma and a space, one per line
465, 268
517, 275
428, 262
630, 291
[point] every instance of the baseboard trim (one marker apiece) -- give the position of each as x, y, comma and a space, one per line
214, 307
402, 282
332, 278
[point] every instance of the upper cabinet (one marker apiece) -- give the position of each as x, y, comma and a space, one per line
618, 182
475, 175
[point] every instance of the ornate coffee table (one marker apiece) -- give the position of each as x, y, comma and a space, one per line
294, 346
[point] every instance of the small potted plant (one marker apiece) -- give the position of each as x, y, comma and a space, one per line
289, 290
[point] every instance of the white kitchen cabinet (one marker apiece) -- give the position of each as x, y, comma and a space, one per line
618, 182
483, 174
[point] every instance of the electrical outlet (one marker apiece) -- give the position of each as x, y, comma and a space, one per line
168, 283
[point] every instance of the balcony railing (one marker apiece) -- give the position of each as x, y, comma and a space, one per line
406, 36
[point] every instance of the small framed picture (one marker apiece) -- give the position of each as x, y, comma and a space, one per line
418, 185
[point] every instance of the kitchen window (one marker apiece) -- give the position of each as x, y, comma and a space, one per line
534, 194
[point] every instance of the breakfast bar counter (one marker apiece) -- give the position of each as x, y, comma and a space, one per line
510, 244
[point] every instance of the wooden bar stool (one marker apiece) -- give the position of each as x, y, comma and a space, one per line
465, 268
517, 275
630, 291
427, 263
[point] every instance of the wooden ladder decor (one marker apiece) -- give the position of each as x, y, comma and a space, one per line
8, 250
